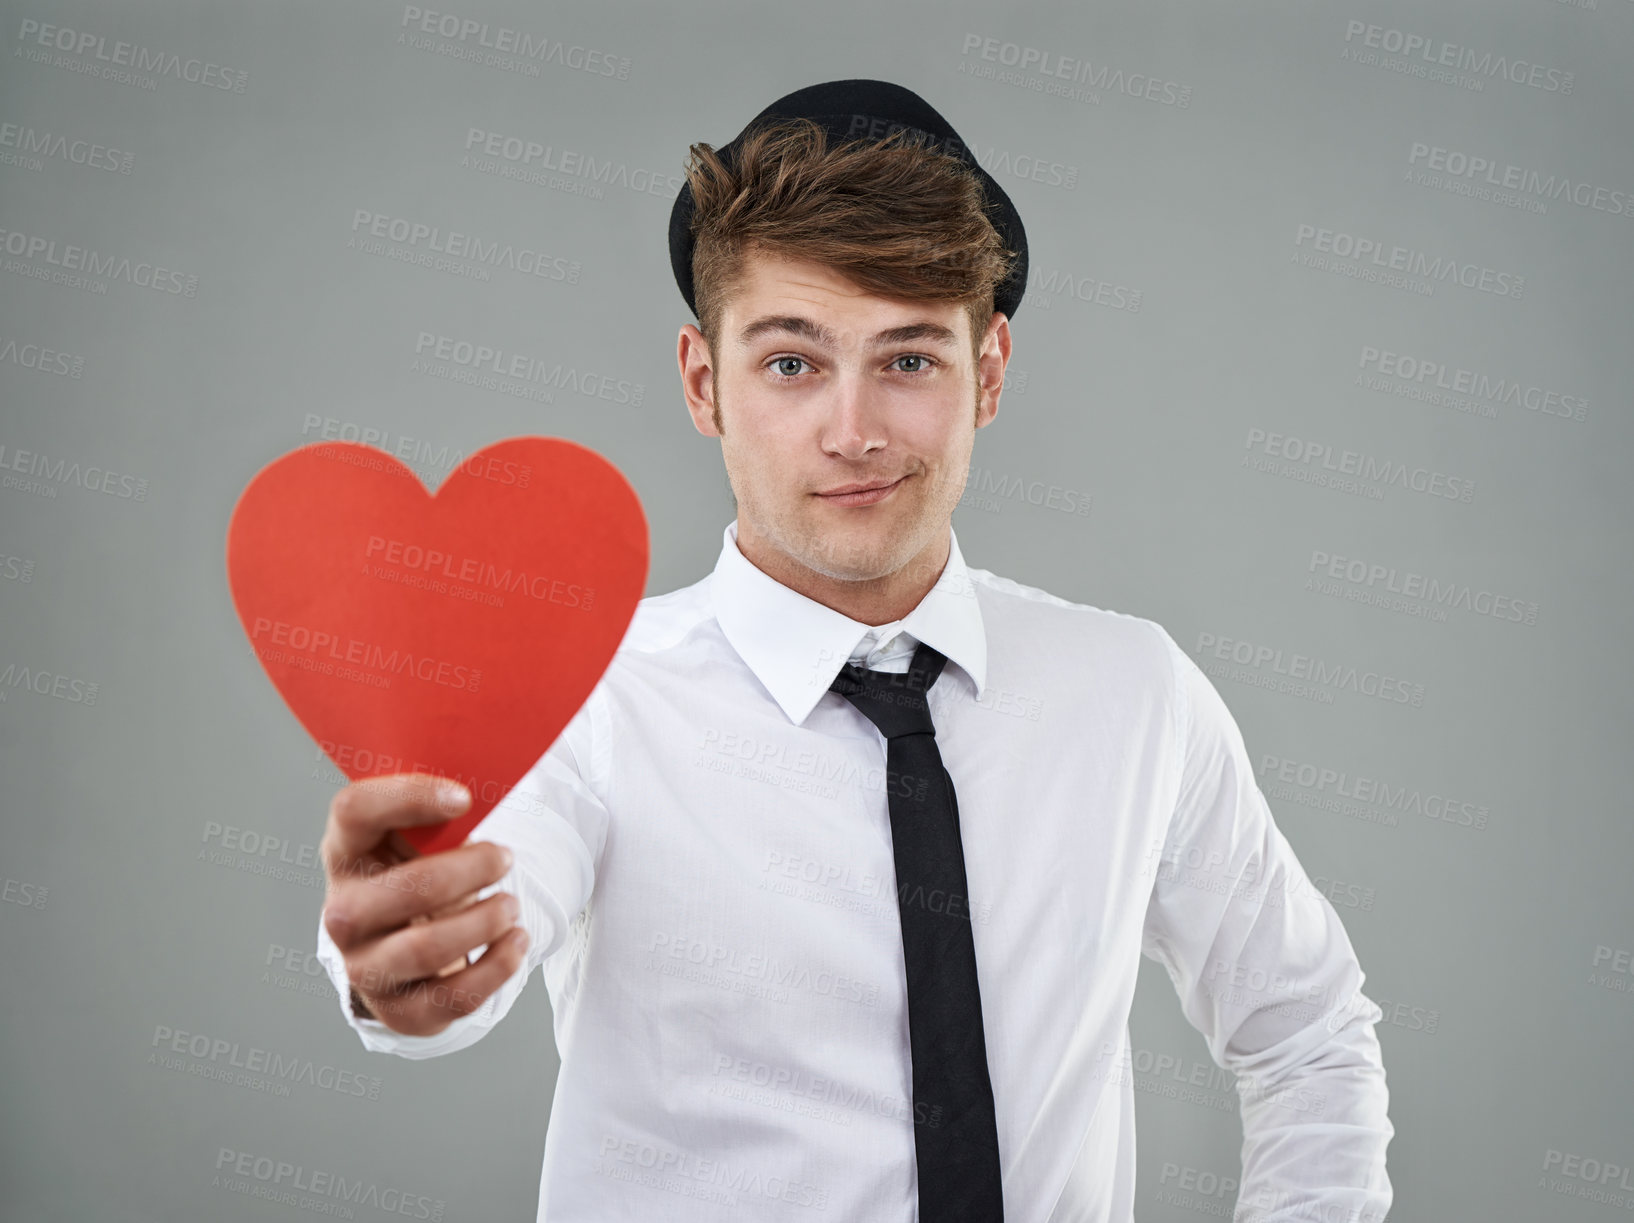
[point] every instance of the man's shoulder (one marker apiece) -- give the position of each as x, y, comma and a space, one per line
1018, 606
664, 620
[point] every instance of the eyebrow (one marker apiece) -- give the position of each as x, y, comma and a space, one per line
816, 333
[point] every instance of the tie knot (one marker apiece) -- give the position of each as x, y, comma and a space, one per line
894, 701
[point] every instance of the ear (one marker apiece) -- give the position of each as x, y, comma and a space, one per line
697, 378
995, 355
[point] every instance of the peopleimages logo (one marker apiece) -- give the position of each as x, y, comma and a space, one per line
37, 357
1297, 672
527, 160
1074, 77
110, 60
221, 1056
994, 160
1266, 447
69, 257
432, 462
1595, 1179
43, 475
1344, 793
1490, 179
31, 145
278, 1180
502, 45
692, 1175
1083, 287
46, 683
753, 973
1431, 590
1435, 269
422, 243
330, 653
1437, 381
1435, 53
482, 360
414, 560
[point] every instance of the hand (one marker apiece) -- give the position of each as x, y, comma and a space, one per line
396, 915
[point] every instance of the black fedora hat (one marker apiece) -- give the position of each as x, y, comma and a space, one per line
870, 110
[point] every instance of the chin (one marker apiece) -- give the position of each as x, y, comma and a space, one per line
861, 555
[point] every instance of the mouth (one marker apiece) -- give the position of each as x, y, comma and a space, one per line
866, 493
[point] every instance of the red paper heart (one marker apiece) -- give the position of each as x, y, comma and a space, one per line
454, 633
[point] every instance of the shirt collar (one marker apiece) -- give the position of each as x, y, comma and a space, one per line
796, 646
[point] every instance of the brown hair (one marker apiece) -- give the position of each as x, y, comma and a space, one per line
895, 216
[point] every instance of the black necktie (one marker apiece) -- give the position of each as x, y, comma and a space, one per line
955, 1133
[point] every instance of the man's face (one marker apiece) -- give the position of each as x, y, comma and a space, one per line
818, 386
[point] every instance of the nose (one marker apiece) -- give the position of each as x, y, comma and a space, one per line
855, 421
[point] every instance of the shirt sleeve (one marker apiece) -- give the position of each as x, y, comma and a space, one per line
555, 824
1265, 971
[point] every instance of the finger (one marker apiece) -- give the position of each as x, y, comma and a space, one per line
430, 1006
368, 899
362, 814
464, 902
453, 966
407, 956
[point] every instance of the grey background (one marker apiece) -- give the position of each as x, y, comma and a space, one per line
1496, 949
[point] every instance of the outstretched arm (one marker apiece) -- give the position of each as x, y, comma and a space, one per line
554, 823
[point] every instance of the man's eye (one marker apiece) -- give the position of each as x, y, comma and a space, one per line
790, 367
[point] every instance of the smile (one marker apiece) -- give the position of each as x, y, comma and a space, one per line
866, 496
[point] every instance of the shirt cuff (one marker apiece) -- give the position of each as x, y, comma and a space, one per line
376, 1036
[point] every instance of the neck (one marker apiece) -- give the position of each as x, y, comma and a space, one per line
872, 601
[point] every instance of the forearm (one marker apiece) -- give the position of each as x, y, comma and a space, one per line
1315, 1131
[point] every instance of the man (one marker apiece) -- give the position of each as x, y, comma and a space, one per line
840, 878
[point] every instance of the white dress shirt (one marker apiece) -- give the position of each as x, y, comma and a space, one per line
704, 865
